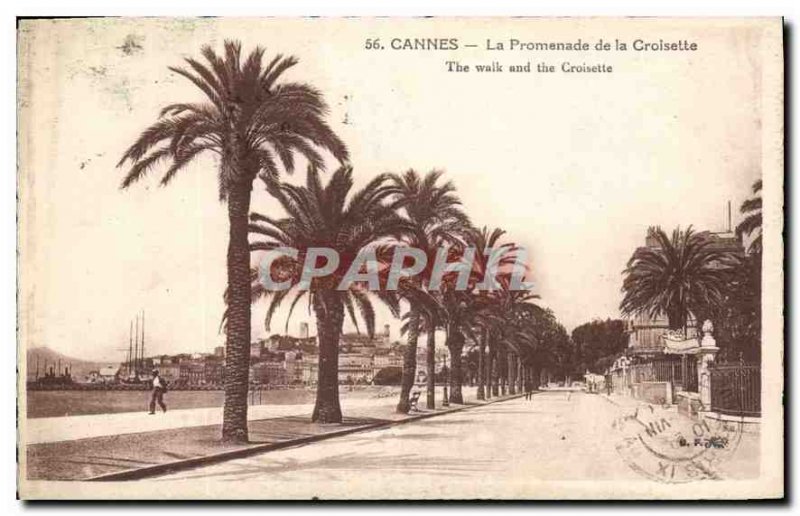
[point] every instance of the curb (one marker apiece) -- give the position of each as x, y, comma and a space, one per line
179, 465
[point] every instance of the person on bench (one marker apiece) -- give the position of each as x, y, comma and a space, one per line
413, 401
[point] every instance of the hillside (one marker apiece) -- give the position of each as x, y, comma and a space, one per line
49, 358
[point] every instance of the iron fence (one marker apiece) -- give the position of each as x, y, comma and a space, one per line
681, 374
736, 389
690, 385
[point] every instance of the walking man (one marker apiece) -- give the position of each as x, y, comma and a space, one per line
159, 388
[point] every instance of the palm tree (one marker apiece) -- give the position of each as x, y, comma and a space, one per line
426, 320
252, 122
437, 218
431, 322
489, 326
751, 225
460, 311
330, 217
519, 315
679, 277
483, 335
466, 313
535, 335
490, 321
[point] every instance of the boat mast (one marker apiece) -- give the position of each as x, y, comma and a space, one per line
142, 338
130, 350
136, 349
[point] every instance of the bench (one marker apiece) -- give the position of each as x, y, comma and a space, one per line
413, 400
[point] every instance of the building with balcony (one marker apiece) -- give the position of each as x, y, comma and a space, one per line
310, 369
214, 370
269, 372
355, 368
645, 333
192, 372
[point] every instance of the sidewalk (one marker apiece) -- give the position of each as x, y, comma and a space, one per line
55, 429
83, 447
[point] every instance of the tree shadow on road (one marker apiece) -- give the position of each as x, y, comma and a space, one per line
267, 468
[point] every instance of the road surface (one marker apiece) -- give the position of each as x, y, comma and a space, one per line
499, 450
556, 436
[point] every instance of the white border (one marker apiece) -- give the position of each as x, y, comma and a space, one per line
787, 8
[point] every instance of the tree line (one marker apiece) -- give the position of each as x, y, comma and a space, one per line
257, 125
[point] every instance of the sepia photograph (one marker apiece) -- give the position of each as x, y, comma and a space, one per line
430, 258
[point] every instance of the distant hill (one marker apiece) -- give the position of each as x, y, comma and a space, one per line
48, 358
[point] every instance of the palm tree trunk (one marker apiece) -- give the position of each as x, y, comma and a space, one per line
431, 363
489, 366
503, 370
528, 382
455, 343
512, 374
330, 317
482, 366
676, 318
495, 370
237, 332
520, 375
409, 363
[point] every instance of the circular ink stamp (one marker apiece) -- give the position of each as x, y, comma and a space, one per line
665, 445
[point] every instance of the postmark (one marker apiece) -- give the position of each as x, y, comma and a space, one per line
666, 446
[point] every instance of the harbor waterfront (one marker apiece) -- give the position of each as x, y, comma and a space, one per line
59, 403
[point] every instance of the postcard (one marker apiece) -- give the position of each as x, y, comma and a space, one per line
400, 258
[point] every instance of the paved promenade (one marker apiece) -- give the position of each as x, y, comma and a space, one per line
559, 435
503, 448
55, 429
83, 447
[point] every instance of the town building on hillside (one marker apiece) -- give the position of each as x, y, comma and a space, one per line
362, 343
355, 368
356, 343
256, 349
289, 343
214, 369
294, 367
171, 372
104, 375
181, 357
192, 373
386, 358
310, 369
268, 372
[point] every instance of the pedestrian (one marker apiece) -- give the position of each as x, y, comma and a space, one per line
159, 388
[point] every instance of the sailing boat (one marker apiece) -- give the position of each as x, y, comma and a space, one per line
136, 363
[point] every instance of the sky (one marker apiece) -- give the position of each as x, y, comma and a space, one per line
573, 166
